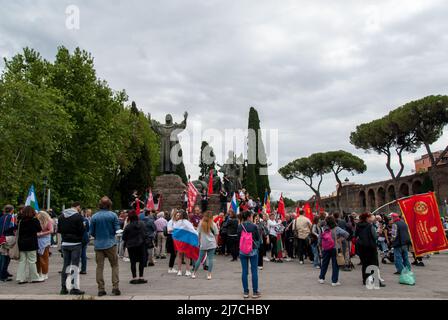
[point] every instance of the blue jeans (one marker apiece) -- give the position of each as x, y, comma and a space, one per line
253, 269
315, 249
4, 263
84, 258
328, 255
401, 258
383, 246
210, 255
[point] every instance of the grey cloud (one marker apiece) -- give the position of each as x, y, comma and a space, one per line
314, 70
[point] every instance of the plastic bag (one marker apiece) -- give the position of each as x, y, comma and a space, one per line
407, 277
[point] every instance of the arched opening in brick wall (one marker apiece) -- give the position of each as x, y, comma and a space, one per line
404, 190
417, 187
362, 200
391, 195
381, 196
371, 199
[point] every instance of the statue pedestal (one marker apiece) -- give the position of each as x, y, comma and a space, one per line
170, 186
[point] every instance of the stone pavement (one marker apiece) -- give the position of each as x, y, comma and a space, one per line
277, 281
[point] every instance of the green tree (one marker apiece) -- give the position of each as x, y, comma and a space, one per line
59, 120
145, 146
33, 125
426, 118
257, 179
89, 162
385, 136
307, 170
339, 161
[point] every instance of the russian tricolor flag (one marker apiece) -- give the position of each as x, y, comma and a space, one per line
186, 239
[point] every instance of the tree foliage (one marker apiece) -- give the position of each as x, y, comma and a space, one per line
404, 129
310, 170
257, 179
339, 161
59, 120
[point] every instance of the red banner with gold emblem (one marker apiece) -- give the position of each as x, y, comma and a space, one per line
421, 214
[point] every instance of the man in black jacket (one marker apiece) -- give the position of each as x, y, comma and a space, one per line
71, 228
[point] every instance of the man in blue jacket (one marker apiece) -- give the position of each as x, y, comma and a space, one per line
103, 227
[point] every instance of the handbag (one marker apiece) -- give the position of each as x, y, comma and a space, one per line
14, 252
340, 259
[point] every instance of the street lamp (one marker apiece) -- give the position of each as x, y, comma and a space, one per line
346, 191
45, 191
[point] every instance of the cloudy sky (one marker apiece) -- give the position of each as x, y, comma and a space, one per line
313, 69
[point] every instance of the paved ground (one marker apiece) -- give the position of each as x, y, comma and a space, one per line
277, 281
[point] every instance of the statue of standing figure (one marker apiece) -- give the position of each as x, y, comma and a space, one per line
170, 150
233, 172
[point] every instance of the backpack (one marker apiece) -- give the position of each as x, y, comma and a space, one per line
327, 240
245, 241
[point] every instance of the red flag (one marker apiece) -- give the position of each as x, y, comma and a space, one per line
308, 211
422, 216
192, 195
150, 201
210, 182
281, 208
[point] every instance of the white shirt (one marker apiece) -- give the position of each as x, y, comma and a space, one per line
271, 227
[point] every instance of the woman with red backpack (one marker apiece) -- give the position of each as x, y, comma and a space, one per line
330, 242
249, 239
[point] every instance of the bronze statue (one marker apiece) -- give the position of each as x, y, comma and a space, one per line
170, 150
233, 172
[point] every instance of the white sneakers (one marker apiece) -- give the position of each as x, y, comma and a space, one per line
209, 277
260, 268
187, 273
193, 276
301, 262
288, 259
126, 259
172, 270
266, 259
336, 284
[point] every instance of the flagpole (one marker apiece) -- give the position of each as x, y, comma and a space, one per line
389, 203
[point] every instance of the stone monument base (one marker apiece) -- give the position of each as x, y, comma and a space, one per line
170, 186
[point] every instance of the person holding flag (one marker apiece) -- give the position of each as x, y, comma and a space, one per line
401, 240
186, 242
267, 202
208, 233
31, 199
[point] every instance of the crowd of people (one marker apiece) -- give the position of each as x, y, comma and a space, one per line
250, 235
